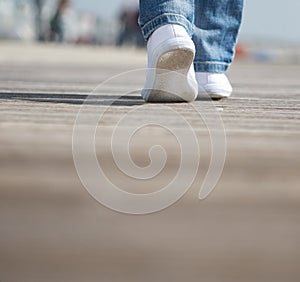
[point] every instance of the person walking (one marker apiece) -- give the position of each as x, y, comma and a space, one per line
40, 35
56, 23
190, 45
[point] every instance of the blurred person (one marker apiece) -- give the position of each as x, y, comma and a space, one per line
195, 38
56, 23
87, 29
130, 32
38, 20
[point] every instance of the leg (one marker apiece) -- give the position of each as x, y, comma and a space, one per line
156, 13
217, 24
167, 25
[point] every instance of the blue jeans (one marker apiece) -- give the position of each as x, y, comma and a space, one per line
212, 24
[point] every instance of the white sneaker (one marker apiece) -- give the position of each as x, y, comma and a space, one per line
216, 85
170, 75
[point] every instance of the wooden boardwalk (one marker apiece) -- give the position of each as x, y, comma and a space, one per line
52, 230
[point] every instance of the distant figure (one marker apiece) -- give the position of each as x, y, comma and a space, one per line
56, 23
130, 32
38, 20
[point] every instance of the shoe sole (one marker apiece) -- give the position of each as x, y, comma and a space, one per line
171, 81
215, 96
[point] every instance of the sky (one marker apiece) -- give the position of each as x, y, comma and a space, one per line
272, 19
263, 19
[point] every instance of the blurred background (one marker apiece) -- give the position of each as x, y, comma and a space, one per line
266, 23
53, 55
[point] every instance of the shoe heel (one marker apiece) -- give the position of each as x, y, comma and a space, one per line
176, 60
172, 82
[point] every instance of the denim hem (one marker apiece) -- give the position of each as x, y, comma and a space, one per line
164, 19
214, 67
